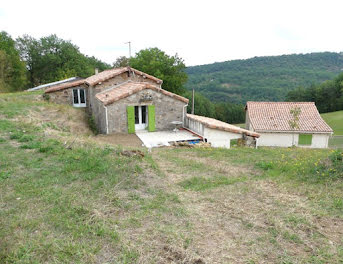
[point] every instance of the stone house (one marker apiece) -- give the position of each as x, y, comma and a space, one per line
123, 100
273, 121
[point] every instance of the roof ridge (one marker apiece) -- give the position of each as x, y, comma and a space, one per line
111, 73
266, 102
126, 89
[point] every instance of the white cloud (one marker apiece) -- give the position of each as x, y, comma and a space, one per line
199, 31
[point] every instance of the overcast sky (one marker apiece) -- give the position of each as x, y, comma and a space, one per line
201, 32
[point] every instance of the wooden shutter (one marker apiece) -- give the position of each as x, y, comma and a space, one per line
151, 118
130, 119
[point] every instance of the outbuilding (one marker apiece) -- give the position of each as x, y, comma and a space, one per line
216, 132
286, 124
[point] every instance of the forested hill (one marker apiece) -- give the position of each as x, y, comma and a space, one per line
263, 78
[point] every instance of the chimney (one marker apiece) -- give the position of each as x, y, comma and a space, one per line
96, 70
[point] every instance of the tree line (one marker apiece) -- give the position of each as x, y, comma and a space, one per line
328, 96
27, 62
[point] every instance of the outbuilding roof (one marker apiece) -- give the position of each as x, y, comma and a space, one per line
276, 116
108, 74
54, 84
128, 88
65, 86
220, 125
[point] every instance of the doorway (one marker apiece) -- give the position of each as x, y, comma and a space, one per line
141, 117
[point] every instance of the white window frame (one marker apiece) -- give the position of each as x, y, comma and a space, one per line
141, 125
79, 98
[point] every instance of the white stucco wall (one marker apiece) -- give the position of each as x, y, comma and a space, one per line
195, 126
219, 138
277, 139
320, 140
290, 139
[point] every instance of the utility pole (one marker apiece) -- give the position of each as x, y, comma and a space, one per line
193, 101
129, 42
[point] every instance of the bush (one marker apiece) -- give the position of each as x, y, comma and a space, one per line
92, 125
331, 167
265, 165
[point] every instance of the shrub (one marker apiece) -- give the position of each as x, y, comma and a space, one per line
330, 167
265, 165
92, 125
46, 97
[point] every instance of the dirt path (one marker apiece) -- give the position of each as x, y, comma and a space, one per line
125, 140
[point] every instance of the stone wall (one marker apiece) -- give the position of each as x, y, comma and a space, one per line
66, 96
167, 109
99, 114
119, 79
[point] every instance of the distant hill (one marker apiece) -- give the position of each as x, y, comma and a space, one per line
263, 78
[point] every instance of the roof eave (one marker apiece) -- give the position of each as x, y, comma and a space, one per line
294, 131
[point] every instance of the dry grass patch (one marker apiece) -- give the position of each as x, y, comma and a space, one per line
244, 216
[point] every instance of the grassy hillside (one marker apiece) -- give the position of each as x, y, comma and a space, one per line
335, 121
66, 197
263, 78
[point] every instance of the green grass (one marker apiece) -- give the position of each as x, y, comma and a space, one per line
202, 183
90, 204
242, 125
335, 121
52, 197
336, 142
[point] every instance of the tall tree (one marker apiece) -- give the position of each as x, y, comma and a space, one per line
121, 61
168, 68
51, 59
12, 69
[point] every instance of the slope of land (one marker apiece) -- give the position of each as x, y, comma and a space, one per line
263, 78
335, 121
67, 199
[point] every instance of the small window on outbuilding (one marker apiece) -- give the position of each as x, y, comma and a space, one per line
79, 97
305, 139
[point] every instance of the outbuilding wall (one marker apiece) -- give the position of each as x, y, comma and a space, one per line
277, 139
66, 96
217, 138
195, 126
291, 139
320, 140
220, 138
167, 109
99, 115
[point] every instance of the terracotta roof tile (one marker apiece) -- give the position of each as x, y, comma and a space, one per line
64, 86
126, 89
108, 74
276, 116
216, 124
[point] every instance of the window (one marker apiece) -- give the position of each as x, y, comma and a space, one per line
305, 139
79, 98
